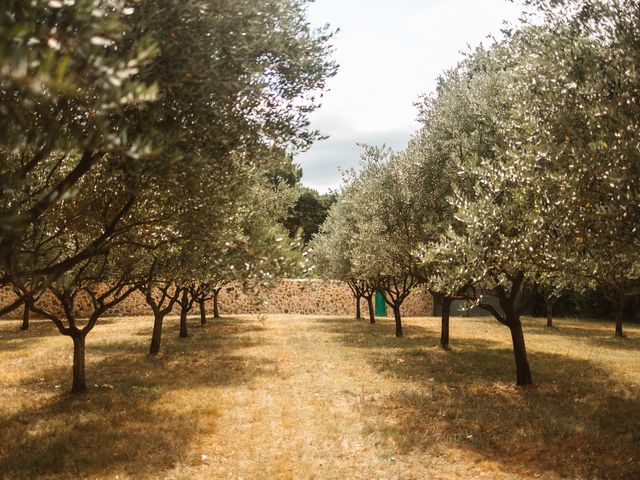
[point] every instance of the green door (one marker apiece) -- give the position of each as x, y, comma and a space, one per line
381, 306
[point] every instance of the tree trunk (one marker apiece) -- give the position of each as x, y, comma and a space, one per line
372, 311
523, 372
549, 304
620, 304
216, 313
396, 314
183, 321
25, 317
203, 314
358, 309
79, 377
156, 336
444, 330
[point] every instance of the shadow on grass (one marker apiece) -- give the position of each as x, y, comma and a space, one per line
597, 337
377, 335
10, 331
12, 338
171, 326
577, 422
145, 417
101, 433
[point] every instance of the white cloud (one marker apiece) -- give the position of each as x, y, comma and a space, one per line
389, 54
322, 165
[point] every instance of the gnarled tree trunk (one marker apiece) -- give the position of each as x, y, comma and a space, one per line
203, 314
523, 372
79, 376
372, 311
216, 312
396, 315
549, 301
512, 307
358, 308
25, 317
444, 329
183, 321
619, 317
156, 336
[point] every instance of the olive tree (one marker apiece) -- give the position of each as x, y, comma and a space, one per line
431, 175
575, 93
332, 252
104, 279
489, 251
223, 228
389, 225
66, 81
372, 235
222, 83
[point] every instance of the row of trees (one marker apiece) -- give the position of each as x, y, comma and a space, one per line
524, 176
139, 143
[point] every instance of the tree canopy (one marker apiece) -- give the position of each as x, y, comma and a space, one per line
137, 139
523, 176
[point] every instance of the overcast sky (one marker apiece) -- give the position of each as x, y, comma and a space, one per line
390, 52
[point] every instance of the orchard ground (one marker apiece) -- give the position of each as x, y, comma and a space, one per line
318, 397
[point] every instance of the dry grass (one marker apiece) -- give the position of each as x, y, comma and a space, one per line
305, 397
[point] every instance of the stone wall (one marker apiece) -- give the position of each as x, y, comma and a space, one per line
312, 297
305, 297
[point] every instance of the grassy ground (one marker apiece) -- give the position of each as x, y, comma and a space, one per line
305, 397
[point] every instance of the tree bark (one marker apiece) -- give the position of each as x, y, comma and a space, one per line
444, 330
216, 313
156, 336
203, 314
79, 377
25, 317
549, 305
396, 315
183, 321
358, 308
372, 311
620, 304
523, 372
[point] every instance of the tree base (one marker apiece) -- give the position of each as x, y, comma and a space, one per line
525, 385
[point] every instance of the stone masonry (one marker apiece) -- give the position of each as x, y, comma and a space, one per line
291, 296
